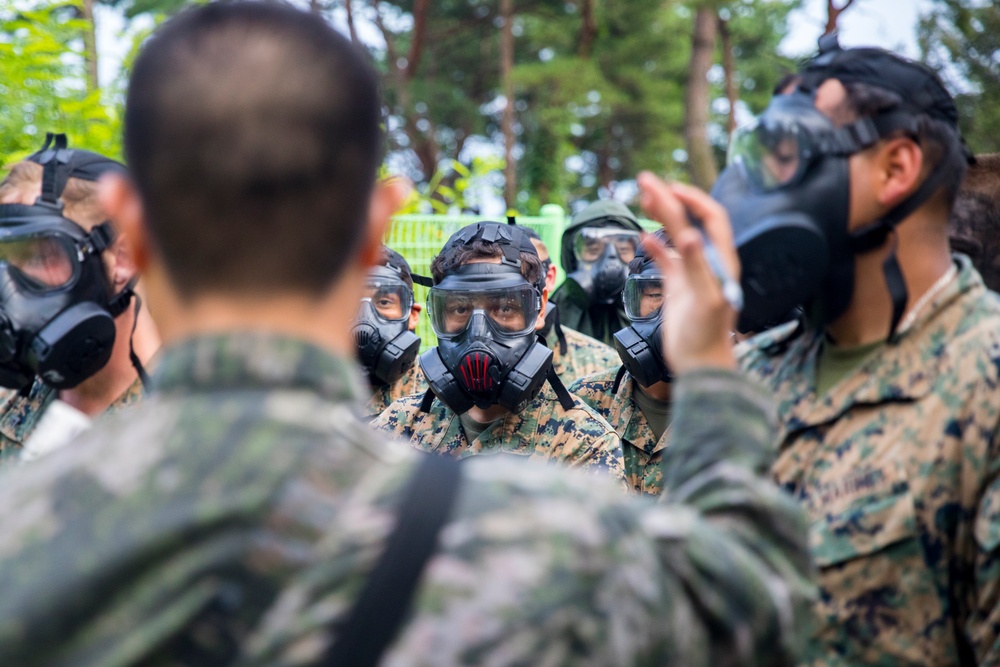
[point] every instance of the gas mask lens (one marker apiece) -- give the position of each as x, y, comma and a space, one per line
769, 151
391, 299
643, 297
43, 262
512, 310
590, 243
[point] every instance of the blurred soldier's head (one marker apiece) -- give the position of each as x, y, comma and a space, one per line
975, 218
252, 130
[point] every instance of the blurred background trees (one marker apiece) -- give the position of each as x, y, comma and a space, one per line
521, 102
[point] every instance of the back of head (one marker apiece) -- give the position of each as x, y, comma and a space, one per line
391, 258
975, 218
252, 130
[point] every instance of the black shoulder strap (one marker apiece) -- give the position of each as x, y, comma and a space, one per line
565, 398
375, 620
619, 376
427, 401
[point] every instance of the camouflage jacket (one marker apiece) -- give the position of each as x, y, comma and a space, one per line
642, 451
899, 469
411, 382
584, 355
543, 431
232, 517
19, 415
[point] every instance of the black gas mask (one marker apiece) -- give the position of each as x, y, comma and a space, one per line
386, 346
602, 256
484, 315
787, 188
56, 307
640, 345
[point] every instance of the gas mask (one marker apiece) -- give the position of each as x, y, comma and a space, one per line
602, 256
386, 346
787, 189
56, 308
640, 345
484, 315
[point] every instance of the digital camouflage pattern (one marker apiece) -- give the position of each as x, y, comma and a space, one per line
642, 452
234, 515
898, 468
543, 431
19, 415
411, 382
584, 355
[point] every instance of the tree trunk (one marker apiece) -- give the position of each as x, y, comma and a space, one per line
588, 29
507, 121
350, 22
729, 71
833, 13
90, 45
701, 162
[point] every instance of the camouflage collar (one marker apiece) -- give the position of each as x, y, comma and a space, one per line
20, 414
257, 361
634, 427
905, 371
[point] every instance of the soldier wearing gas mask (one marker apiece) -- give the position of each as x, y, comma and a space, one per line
492, 386
839, 196
384, 333
634, 396
596, 248
574, 355
67, 349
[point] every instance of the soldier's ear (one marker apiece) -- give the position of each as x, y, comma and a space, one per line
387, 198
540, 322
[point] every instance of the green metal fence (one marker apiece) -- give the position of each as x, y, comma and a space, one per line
419, 238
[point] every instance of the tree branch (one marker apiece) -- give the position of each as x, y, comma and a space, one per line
833, 13
417, 41
350, 22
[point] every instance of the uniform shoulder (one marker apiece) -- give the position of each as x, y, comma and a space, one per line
600, 382
582, 340
399, 414
581, 419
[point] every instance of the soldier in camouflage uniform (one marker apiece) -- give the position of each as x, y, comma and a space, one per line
411, 381
548, 426
235, 515
639, 414
893, 446
574, 354
44, 418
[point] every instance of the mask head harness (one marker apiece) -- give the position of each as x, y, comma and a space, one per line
386, 347
56, 308
484, 315
640, 345
787, 186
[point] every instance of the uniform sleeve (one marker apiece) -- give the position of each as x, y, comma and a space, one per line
742, 560
983, 626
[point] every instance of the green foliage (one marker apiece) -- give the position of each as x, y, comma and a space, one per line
43, 84
961, 39
455, 188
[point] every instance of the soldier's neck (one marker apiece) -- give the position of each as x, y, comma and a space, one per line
489, 415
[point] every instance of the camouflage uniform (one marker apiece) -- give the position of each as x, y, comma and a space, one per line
543, 431
899, 468
19, 415
643, 453
239, 509
584, 355
411, 382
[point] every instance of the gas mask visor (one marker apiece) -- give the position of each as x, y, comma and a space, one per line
42, 257
510, 308
390, 297
776, 149
591, 243
643, 297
